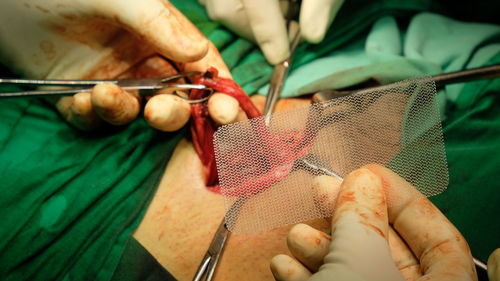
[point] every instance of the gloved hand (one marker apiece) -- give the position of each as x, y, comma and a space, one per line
93, 39
405, 239
262, 21
494, 266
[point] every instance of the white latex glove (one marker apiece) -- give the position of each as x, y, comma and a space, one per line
262, 21
93, 39
494, 266
408, 240
77, 38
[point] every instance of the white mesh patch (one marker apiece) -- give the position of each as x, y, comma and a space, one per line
266, 171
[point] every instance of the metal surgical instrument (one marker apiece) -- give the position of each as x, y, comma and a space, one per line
278, 77
147, 84
210, 260
473, 74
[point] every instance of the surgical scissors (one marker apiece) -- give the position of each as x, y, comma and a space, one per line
278, 77
147, 84
210, 260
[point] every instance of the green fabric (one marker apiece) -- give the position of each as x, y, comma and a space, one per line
431, 44
393, 40
389, 41
70, 200
144, 266
356, 17
472, 141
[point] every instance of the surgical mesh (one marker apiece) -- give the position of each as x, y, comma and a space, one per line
264, 169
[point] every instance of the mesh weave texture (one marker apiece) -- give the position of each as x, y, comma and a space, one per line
266, 171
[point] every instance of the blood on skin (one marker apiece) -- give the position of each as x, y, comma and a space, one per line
293, 145
160, 236
203, 128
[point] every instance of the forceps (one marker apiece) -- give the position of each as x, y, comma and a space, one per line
281, 69
210, 260
148, 84
441, 80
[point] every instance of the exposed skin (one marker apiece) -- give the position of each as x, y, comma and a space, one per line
283, 104
180, 222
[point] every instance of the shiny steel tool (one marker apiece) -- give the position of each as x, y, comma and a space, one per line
148, 85
473, 74
209, 262
278, 77
211, 258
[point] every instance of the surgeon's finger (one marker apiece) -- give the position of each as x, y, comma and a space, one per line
113, 104
78, 111
316, 17
285, 268
441, 249
152, 67
159, 23
223, 109
211, 59
403, 257
167, 112
325, 191
268, 27
308, 245
359, 231
231, 14
361, 196
494, 266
